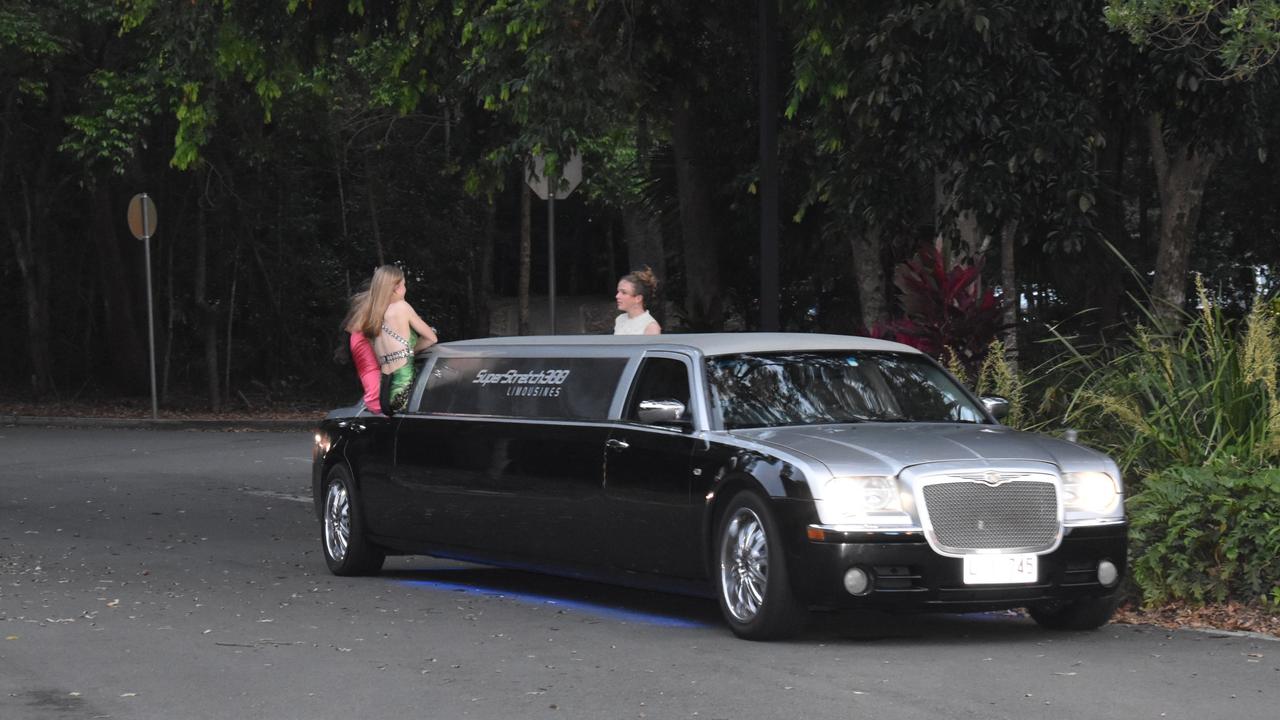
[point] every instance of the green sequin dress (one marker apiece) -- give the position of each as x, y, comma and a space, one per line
398, 385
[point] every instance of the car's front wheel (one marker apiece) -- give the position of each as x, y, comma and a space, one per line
346, 550
1087, 613
752, 586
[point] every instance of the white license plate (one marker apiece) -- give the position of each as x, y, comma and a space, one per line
999, 569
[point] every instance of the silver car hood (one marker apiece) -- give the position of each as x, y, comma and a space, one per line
888, 448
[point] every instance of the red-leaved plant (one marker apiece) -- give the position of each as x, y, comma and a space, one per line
946, 311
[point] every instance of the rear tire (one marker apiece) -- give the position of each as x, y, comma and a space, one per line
346, 550
750, 566
1089, 613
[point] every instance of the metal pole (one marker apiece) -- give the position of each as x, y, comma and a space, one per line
151, 325
551, 256
769, 300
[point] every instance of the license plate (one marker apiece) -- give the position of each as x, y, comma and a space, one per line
999, 569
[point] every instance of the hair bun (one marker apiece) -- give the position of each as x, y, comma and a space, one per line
646, 276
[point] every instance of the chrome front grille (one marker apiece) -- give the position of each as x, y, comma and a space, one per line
1021, 514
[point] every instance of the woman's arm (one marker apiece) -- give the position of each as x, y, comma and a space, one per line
426, 335
653, 328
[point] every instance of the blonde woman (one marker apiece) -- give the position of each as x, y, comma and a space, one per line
396, 332
633, 290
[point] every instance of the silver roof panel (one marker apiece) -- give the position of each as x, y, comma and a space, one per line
708, 344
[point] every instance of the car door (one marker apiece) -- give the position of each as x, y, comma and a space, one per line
492, 461
649, 474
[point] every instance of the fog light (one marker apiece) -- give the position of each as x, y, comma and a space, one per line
1108, 574
857, 581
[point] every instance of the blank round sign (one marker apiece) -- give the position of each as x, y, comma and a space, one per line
142, 216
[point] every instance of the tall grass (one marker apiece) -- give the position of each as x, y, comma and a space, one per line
1205, 395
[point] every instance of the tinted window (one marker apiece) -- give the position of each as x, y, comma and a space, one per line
659, 379
553, 388
817, 388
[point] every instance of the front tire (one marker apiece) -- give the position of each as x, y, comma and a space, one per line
1088, 613
346, 550
752, 584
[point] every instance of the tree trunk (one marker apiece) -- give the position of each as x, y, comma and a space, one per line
208, 315
526, 252
481, 326
1010, 297
966, 226
127, 351
370, 185
1106, 289
642, 233
34, 269
1182, 171
703, 310
868, 270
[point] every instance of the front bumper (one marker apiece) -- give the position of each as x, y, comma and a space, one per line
908, 575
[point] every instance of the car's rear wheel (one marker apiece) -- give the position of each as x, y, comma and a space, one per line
1087, 613
346, 550
752, 585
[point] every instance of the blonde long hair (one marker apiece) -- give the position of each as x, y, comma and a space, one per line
381, 291
357, 308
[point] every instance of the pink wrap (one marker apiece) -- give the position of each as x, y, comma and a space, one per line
367, 368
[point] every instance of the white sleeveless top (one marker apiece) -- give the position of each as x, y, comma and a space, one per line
627, 325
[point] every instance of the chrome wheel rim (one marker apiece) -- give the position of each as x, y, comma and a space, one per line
744, 565
337, 521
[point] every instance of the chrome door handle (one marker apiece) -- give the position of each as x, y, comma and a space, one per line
615, 444
353, 426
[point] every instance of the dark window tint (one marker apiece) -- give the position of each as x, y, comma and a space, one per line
551, 388
659, 379
818, 388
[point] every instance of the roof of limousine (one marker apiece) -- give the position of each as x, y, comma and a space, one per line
706, 343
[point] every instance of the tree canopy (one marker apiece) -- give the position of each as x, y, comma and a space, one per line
292, 146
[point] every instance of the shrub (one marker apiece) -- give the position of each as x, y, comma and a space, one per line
946, 311
1207, 534
1206, 395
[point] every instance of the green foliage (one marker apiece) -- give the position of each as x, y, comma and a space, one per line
1000, 378
1228, 38
110, 130
1207, 534
1206, 395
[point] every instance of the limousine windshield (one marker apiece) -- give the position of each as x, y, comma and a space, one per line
809, 388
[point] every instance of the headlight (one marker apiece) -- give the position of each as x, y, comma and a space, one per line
322, 443
863, 500
1090, 492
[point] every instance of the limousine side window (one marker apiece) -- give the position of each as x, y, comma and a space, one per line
659, 382
544, 388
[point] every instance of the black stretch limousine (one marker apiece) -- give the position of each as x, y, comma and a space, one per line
777, 472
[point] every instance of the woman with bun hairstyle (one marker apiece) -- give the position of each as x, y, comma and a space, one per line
634, 289
396, 332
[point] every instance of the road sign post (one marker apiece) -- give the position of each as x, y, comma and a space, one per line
549, 190
142, 223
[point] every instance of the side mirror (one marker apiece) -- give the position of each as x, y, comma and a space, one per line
997, 406
661, 412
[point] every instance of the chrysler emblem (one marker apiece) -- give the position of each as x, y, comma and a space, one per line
991, 479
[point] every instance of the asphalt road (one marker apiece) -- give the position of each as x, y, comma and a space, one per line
162, 574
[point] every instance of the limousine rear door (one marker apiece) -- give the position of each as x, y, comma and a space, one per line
648, 475
503, 455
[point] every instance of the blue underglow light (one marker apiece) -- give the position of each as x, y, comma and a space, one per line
587, 608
